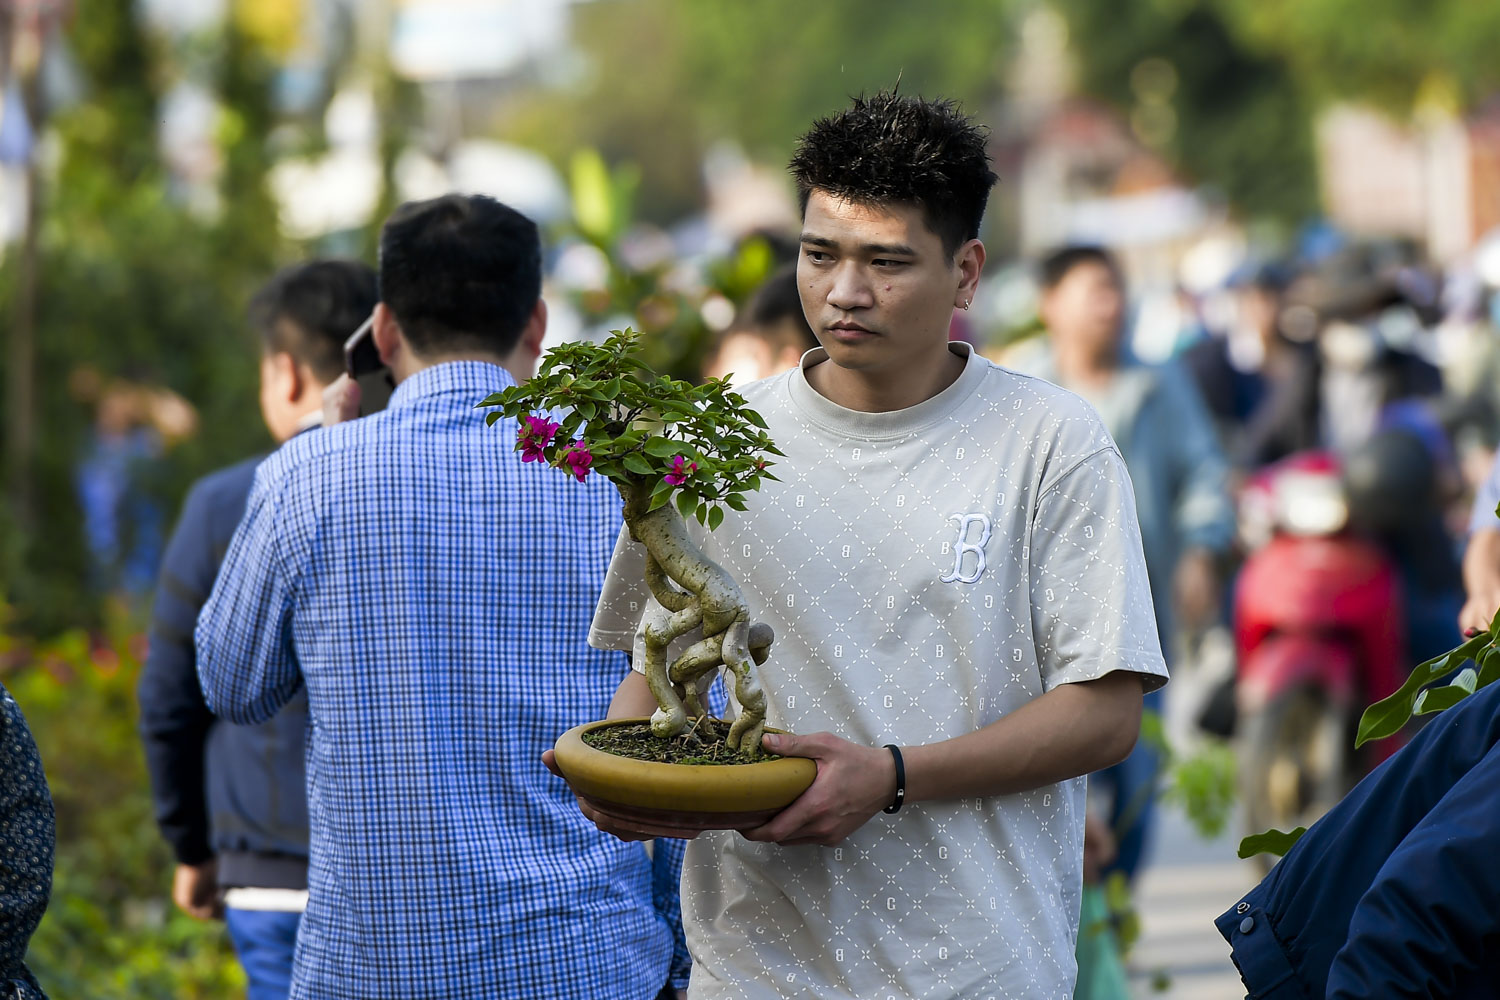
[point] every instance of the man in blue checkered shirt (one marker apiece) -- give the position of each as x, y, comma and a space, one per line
434, 599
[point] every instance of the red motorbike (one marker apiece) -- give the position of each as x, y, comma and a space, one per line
1320, 634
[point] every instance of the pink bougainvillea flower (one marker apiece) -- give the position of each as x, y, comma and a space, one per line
578, 459
679, 474
534, 434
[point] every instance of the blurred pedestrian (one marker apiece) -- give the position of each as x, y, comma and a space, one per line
134, 424
433, 598
1240, 372
231, 800
27, 838
1179, 475
769, 336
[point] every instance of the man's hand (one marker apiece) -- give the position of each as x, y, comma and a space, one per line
340, 400
616, 826
1195, 588
1481, 581
195, 888
853, 784
1477, 612
1098, 847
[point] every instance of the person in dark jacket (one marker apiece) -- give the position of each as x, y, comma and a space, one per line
231, 799
1395, 892
27, 839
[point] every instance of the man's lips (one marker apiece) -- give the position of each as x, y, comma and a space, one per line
849, 330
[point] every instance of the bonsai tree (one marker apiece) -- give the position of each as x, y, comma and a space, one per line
674, 450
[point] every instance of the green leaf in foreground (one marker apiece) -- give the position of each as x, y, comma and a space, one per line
1271, 842
1438, 698
1387, 716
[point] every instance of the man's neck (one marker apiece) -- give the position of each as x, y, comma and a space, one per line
1077, 366
883, 391
409, 364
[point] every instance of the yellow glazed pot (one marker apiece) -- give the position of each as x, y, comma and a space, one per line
683, 796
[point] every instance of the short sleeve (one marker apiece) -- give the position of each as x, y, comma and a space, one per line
617, 616
1090, 597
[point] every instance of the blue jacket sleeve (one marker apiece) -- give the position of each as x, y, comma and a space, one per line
174, 719
666, 882
245, 661
1426, 928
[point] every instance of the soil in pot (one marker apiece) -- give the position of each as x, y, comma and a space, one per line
703, 743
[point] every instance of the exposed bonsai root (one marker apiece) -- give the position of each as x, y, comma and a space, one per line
709, 597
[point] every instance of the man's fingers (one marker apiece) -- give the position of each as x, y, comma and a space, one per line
630, 829
340, 400
549, 759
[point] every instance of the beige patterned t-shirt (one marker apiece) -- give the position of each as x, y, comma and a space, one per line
927, 571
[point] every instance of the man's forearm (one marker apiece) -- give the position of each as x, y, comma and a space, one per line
1482, 562
632, 698
1071, 730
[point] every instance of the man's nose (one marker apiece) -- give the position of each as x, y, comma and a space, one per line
850, 290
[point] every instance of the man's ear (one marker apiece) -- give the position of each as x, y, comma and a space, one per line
387, 334
970, 262
284, 379
535, 330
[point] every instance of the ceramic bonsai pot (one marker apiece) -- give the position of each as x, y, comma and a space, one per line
688, 797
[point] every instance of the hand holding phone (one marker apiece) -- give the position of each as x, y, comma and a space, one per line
369, 375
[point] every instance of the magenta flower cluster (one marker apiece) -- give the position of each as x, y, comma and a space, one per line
680, 473
534, 435
578, 459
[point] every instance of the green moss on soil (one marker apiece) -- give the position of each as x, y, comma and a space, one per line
703, 743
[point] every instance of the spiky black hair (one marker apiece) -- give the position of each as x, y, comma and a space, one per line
891, 149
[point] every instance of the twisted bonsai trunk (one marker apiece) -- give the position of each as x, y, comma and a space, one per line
708, 597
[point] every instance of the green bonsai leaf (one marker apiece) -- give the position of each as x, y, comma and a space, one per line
597, 408
1271, 842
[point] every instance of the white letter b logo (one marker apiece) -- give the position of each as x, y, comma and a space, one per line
963, 546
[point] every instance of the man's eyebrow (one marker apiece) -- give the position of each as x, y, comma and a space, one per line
889, 249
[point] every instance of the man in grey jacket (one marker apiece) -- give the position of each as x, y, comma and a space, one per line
1178, 472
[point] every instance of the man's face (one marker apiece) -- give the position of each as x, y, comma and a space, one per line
1085, 309
1259, 309
876, 285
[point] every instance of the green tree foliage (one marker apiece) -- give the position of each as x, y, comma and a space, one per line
665, 79
110, 931
1389, 52
1235, 117
134, 285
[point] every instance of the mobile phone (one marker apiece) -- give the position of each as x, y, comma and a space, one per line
362, 363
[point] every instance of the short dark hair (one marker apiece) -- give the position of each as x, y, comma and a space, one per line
889, 149
1058, 264
777, 301
460, 272
309, 310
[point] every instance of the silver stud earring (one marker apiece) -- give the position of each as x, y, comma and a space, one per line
966, 305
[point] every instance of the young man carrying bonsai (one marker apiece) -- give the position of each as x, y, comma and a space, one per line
952, 566
432, 596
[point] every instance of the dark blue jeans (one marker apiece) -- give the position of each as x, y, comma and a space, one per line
264, 941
